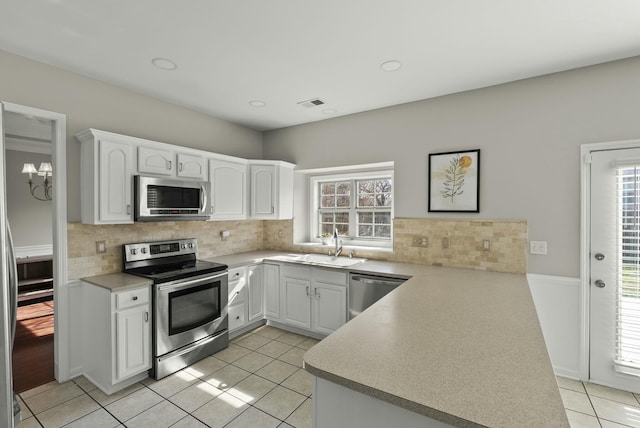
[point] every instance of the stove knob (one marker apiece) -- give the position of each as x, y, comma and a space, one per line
190, 244
183, 246
134, 251
143, 250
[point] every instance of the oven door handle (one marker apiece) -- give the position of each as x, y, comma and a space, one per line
181, 285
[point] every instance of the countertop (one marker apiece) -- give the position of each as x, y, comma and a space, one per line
118, 281
460, 346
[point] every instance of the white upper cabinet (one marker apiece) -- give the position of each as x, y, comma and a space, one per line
190, 166
228, 189
106, 178
157, 161
271, 190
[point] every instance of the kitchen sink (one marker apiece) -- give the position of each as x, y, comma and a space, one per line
321, 259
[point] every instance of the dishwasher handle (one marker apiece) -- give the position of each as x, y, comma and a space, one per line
377, 280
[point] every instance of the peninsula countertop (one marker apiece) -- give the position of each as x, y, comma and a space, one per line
460, 346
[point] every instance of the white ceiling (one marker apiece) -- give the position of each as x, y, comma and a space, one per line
283, 52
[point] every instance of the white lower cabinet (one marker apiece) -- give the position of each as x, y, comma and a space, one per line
313, 299
245, 296
255, 286
117, 336
271, 282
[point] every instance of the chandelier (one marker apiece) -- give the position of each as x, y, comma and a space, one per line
42, 191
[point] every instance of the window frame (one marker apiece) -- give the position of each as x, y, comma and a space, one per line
315, 210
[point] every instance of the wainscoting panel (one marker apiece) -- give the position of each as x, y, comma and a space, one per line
557, 301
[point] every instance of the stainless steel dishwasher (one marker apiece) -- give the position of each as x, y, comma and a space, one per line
365, 290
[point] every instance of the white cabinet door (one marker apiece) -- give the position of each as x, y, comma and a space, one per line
156, 161
237, 316
329, 307
263, 191
271, 291
296, 308
256, 292
190, 166
133, 341
228, 190
115, 182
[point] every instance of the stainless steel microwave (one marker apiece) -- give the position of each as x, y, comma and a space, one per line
164, 199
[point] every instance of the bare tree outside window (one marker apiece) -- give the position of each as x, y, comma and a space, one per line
359, 208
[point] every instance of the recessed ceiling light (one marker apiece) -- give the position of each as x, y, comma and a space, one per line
392, 65
257, 103
329, 111
164, 64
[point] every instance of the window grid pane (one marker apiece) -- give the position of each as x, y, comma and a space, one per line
338, 210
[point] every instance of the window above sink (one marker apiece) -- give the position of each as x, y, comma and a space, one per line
357, 201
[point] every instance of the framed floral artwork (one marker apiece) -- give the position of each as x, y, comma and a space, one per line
454, 182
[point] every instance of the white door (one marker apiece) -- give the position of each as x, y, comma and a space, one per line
615, 269
271, 283
133, 333
115, 182
156, 161
296, 307
263, 191
329, 307
190, 166
228, 189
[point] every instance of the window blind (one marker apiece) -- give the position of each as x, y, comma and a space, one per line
627, 335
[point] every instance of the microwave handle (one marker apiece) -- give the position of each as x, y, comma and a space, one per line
203, 198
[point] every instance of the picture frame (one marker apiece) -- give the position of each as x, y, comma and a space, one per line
454, 181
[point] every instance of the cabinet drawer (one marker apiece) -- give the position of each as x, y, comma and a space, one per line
329, 276
237, 292
127, 299
236, 274
298, 272
237, 317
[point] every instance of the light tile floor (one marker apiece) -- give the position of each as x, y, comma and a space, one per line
256, 382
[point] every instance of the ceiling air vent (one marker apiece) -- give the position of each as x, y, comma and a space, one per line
311, 103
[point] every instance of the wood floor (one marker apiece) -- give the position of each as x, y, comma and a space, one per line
33, 346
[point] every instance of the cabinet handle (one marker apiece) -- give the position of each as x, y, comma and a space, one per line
180, 167
237, 273
169, 163
146, 317
128, 209
273, 210
134, 298
237, 292
308, 291
237, 317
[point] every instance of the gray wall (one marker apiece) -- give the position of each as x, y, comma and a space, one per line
89, 103
30, 219
529, 133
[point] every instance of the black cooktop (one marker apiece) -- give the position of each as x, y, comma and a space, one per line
172, 272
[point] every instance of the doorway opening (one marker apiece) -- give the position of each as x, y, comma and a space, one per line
28, 145
45, 280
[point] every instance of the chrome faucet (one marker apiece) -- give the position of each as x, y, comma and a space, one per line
337, 242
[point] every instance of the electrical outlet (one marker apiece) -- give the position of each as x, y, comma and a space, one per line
101, 247
445, 243
420, 241
538, 247
486, 244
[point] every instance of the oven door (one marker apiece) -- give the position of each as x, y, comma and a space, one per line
188, 310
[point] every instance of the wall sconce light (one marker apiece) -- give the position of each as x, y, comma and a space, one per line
45, 171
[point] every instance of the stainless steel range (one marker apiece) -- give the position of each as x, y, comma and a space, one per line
189, 303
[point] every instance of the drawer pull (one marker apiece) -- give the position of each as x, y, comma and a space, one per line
134, 298
237, 317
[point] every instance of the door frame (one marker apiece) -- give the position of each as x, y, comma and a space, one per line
60, 273
585, 239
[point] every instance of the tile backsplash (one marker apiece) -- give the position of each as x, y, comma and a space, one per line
507, 240
507, 243
83, 261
